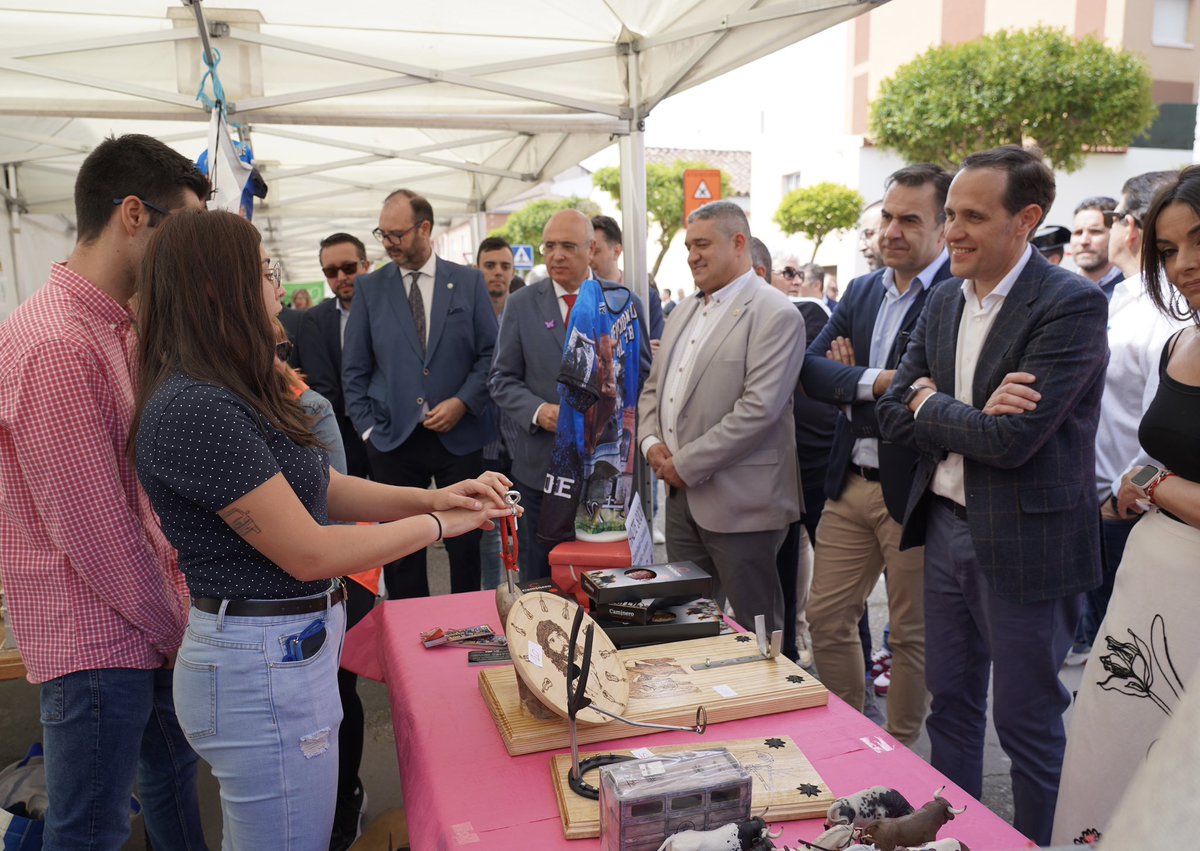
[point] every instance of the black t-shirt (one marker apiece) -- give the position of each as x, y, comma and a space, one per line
1168, 428
201, 448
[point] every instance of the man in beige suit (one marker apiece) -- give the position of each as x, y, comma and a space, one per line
716, 417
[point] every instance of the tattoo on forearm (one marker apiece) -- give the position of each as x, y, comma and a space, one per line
240, 521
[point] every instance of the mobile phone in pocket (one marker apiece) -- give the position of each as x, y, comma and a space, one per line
306, 643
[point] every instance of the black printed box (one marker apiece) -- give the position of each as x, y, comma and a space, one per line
698, 619
630, 611
674, 579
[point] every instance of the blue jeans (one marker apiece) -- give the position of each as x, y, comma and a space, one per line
101, 729
490, 558
268, 728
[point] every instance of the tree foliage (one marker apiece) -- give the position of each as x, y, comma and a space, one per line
664, 197
1036, 86
817, 211
525, 226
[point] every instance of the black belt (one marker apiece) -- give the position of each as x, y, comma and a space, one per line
270, 608
871, 474
957, 510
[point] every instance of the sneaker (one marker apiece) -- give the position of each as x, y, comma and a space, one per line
881, 662
659, 537
804, 648
881, 683
347, 819
1079, 653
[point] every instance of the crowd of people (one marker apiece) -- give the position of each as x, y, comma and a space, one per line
200, 486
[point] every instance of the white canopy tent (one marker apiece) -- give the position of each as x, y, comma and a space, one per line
468, 102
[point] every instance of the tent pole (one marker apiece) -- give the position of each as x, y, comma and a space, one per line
633, 227
202, 26
13, 297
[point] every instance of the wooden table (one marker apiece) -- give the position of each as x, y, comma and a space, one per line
11, 667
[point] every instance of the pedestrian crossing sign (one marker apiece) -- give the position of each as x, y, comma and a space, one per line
522, 257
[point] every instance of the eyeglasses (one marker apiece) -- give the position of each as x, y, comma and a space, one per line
549, 248
347, 269
283, 350
1111, 217
392, 237
274, 272
117, 202
791, 274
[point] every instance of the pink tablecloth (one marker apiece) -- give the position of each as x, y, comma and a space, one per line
463, 790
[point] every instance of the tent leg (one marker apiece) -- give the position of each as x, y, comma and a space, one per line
12, 298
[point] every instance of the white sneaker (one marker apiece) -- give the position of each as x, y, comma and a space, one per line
1079, 654
659, 537
804, 649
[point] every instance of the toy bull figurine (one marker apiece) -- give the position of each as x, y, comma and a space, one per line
750, 835
878, 802
913, 830
835, 838
942, 845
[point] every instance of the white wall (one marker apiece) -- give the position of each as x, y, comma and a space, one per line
41, 240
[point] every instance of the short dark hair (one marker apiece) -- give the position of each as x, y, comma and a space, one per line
1185, 189
760, 255
915, 176
340, 238
1100, 203
422, 210
1030, 180
814, 271
728, 216
492, 243
1139, 190
133, 164
608, 226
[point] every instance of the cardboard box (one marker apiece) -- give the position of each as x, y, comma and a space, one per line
673, 579
698, 619
571, 559
629, 611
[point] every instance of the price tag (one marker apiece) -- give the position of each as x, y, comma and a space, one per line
652, 769
725, 691
642, 753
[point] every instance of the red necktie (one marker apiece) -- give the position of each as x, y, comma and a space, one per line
570, 300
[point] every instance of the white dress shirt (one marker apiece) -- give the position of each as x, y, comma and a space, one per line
682, 358
977, 321
1137, 332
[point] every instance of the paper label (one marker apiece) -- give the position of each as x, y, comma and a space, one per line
535, 654
641, 545
876, 744
652, 769
642, 753
725, 691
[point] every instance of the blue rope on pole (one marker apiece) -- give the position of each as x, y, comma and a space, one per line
217, 101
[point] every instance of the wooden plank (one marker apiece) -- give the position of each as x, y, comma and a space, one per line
784, 784
11, 667
664, 689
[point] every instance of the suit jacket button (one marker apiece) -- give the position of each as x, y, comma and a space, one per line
425, 371
420, 400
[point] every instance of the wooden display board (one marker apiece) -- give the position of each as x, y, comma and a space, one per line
783, 783
664, 689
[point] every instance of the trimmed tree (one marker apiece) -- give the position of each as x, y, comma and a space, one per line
525, 226
664, 197
1022, 87
817, 211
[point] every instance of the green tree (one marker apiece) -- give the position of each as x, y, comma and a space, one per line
817, 211
1015, 87
525, 226
664, 197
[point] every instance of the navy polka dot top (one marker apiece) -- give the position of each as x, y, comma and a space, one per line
201, 448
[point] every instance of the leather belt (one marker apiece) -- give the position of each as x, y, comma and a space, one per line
871, 474
953, 507
270, 608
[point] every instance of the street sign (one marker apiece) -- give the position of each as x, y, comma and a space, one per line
522, 257
700, 186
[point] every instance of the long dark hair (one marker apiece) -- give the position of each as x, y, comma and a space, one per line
201, 311
1184, 189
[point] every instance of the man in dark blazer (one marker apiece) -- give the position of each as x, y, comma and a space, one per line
852, 363
999, 390
419, 342
343, 258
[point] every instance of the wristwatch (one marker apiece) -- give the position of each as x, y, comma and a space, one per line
912, 391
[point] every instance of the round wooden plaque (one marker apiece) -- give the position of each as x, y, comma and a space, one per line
539, 630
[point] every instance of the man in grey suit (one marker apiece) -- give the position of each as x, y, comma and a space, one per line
999, 391
418, 344
715, 418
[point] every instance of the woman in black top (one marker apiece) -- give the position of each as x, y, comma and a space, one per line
1149, 643
244, 491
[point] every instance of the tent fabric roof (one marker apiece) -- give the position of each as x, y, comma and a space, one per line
465, 101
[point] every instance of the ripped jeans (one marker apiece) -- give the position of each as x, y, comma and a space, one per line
268, 728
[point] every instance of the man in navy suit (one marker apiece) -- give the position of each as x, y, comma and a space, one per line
999, 390
852, 363
419, 342
343, 258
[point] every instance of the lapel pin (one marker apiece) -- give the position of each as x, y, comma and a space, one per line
737, 311
449, 286
550, 324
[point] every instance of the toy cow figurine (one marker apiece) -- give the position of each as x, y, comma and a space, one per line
878, 802
752, 835
913, 830
835, 838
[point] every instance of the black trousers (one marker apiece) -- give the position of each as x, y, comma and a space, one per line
359, 602
412, 464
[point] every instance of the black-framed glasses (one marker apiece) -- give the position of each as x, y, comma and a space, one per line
117, 202
283, 350
1111, 217
791, 274
392, 236
347, 269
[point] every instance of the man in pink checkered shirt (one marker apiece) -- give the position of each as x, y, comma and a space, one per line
95, 597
